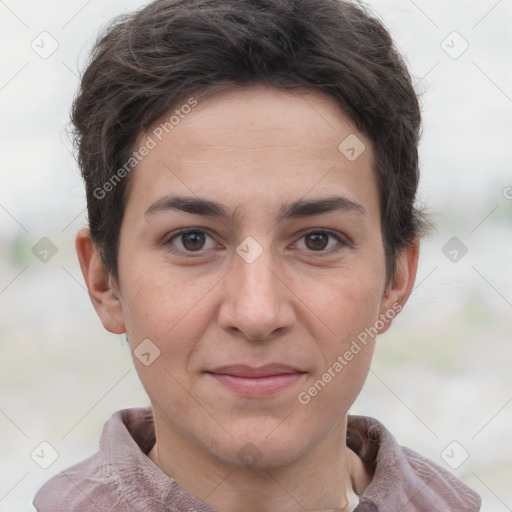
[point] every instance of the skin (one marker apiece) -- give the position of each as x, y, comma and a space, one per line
253, 150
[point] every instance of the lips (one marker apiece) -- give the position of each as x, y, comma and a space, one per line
265, 380
268, 370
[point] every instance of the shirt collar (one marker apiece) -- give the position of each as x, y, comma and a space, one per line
402, 479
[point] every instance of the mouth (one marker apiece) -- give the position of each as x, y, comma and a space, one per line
257, 381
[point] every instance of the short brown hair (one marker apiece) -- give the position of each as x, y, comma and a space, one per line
146, 63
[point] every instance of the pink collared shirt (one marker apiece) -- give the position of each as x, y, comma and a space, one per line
120, 477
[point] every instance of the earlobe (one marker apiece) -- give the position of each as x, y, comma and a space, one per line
400, 287
100, 284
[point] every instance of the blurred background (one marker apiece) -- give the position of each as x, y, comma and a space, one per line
441, 378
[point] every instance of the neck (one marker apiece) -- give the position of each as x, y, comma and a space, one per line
324, 478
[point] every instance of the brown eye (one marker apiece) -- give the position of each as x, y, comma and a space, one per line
322, 242
317, 241
193, 241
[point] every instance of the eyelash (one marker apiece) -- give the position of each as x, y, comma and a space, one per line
342, 241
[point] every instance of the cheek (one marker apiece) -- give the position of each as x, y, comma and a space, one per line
161, 303
347, 305
332, 392
348, 310
346, 351
173, 312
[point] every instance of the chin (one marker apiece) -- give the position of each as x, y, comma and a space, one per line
264, 447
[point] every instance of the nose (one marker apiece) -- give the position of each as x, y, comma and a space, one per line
256, 305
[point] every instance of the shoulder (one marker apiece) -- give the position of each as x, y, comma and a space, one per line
439, 485
107, 479
403, 479
88, 486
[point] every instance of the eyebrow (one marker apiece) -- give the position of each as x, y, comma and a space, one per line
297, 209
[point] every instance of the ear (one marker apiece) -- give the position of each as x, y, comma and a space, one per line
101, 286
400, 286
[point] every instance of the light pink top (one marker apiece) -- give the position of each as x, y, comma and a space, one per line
120, 477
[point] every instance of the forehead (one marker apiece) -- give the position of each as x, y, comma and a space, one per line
257, 118
256, 143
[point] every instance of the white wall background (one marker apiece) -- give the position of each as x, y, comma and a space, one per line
442, 373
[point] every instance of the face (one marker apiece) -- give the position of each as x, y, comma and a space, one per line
251, 257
